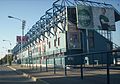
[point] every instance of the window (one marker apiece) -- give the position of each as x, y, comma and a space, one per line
59, 41
91, 38
47, 41
55, 30
55, 43
37, 49
43, 38
49, 45
44, 48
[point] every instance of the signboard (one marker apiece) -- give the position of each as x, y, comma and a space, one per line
74, 40
71, 15
91, 17
73, 34
24, 39
103, 18
73, 60
84, 17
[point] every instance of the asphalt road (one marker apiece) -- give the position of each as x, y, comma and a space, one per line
8, 76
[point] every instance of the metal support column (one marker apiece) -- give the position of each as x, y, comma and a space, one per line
108, 71
81, 67
54, 66
65, 70
46, 65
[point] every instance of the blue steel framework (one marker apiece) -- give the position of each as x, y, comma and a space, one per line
51, 20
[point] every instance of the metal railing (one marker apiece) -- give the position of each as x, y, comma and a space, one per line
97, 61
105, 62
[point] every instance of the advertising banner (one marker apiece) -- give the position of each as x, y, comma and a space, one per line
71, 15
74, 60
24, 39
91, 17
103, 18
74, 40
73, 34
84, 17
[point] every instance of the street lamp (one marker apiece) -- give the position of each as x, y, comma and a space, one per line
23, 27
9, 43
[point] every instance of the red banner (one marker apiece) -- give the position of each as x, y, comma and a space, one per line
24, 39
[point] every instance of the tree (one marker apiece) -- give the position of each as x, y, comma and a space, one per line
10, 58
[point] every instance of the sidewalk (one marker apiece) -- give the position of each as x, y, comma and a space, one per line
73, 77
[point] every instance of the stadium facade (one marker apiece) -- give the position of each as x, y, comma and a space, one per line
65, 31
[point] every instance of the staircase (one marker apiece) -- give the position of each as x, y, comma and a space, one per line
107, 35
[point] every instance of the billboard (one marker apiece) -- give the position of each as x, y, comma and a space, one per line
91, 17
74, 40
74, 60
73, 34
103, 18
71, 15
24, 39
84, 17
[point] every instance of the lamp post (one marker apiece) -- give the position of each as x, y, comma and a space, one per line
9, 43
23, 27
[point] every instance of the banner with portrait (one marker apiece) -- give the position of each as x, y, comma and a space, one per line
91, 17
84, 17
104, 18
74, 41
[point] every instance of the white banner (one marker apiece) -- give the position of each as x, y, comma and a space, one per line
95, 18
103, 18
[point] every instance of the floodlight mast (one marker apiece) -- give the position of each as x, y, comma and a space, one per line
23, 27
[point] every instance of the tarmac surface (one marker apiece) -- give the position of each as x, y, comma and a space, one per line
91, 76
9, 76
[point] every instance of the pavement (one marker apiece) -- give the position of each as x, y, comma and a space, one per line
97, 76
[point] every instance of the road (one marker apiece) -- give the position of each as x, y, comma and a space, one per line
8, 76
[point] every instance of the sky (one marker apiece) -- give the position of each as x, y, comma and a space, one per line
31, 11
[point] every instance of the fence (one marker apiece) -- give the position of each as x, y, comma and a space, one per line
95, 63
